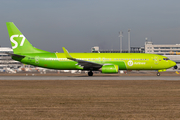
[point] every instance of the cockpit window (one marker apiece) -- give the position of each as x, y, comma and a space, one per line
165, 58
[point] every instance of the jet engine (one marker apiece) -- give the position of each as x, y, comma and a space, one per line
110, 69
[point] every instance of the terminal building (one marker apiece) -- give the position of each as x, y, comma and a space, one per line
96, 49
5, 60
162, 49
171, 51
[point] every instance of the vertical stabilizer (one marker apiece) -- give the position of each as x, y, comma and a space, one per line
20, 44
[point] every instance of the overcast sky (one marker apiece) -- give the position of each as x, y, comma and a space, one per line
79, 25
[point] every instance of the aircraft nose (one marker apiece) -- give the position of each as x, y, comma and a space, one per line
173, 63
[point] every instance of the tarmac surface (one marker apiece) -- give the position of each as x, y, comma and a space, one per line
89, 78
97, 76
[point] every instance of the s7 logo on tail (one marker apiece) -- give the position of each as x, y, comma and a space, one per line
16, 42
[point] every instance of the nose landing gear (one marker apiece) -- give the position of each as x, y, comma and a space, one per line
175, 67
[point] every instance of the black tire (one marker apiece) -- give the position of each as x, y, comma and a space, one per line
158, 74
175, 67
90, 73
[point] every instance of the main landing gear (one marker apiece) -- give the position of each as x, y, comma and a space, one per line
90, 73
158, 74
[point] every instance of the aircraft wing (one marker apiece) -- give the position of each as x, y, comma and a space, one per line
85, 64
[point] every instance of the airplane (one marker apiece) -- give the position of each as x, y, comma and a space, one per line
24, 52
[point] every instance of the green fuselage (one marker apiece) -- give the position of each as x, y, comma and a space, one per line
125, 61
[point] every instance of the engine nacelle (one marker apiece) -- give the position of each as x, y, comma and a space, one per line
110, 69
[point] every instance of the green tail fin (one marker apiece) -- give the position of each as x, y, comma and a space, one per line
20, 44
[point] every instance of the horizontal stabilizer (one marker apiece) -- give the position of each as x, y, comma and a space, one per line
15, 55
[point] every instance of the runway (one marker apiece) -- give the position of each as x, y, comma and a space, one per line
89, 78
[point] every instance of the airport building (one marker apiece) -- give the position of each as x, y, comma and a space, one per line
162, 49
171, 51
149, 47
96, 49
6, 60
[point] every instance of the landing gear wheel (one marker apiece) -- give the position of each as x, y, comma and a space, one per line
90, 73
175, 67
158, 74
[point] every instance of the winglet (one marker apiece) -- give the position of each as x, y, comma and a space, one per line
67, 53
